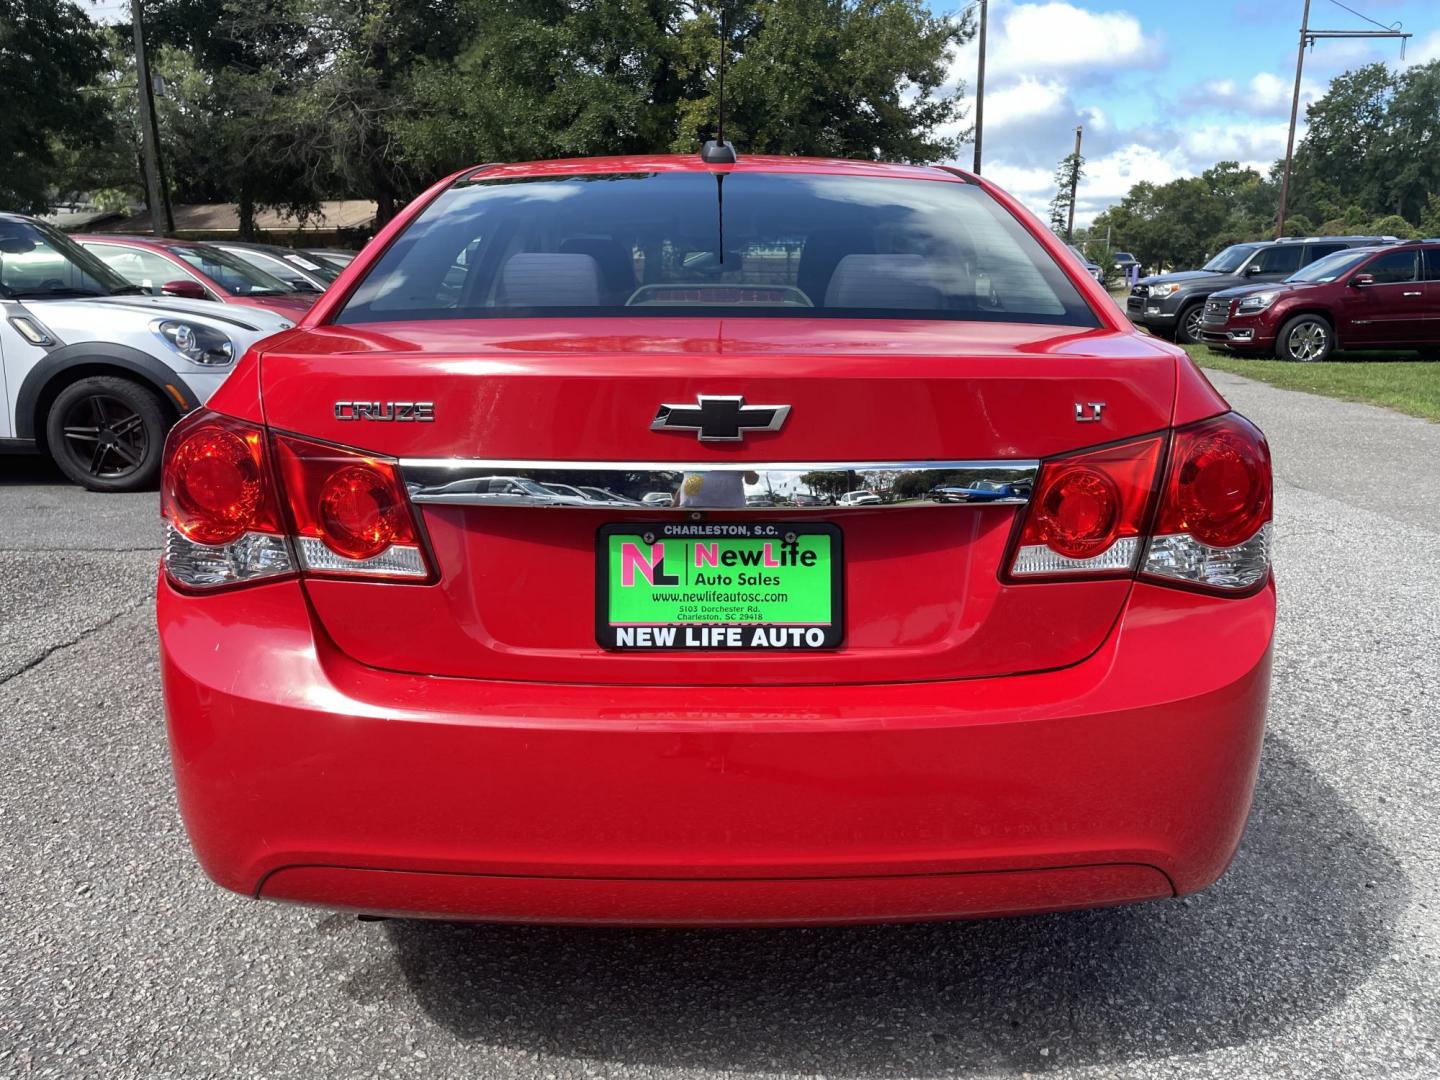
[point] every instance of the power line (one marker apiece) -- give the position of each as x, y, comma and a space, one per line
1361, 15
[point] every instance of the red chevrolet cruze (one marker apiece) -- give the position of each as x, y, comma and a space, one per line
660, 540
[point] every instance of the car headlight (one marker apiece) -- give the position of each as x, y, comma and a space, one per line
196, 342
1159, 292
1255, 302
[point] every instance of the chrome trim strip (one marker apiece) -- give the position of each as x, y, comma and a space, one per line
464, 482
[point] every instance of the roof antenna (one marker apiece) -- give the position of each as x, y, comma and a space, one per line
717, 151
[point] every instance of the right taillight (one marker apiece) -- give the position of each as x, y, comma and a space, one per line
226, 489
1212, 527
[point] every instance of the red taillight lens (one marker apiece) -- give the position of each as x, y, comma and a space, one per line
350, 511
1087, 513
361, 514
215, 480
1078, 512
1218, 488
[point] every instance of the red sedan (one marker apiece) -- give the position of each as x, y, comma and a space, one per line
405, 676
196, 271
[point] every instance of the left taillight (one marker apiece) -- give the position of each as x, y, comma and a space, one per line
218, 497
1088, 512
241, 507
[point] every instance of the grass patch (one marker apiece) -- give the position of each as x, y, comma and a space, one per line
1396, 380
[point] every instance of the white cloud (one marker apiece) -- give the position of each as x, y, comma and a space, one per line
1264, 94
1238, 141
1424, 50
1061, 37
1106, 180
1024, 100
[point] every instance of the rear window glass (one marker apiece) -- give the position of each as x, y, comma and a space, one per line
696, 243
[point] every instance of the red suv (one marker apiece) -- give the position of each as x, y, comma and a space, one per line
1365, 298
404, 673
195, 271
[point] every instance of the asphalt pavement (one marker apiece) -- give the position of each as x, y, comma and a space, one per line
1318, 954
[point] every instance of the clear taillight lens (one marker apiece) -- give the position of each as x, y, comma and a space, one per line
1087, 512
218, 499
1212, 529
350, 511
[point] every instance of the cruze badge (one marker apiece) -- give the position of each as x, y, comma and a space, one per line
386, 411
720, 418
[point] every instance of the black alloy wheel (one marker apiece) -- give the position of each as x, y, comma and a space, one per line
106, 433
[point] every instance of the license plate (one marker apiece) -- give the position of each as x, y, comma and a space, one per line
719, 587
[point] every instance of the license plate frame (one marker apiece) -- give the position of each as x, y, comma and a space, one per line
728, 635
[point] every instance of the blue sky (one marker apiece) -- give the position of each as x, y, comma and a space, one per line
1163, 88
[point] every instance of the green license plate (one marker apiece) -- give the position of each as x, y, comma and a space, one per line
719, 586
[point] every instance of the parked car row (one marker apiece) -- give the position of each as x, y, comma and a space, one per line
1378, 297
1172, 305
106, 341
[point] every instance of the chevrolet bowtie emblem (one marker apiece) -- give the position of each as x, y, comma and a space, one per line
719, 418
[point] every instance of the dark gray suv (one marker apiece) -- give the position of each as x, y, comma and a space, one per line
1171, 305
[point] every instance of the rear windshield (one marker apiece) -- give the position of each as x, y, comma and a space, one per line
699, 243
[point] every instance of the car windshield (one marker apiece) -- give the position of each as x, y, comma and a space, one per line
744, 243
231, 273
1231, 259
38, 262
1331, 266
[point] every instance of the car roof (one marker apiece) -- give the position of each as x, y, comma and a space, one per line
764, 163
138, 241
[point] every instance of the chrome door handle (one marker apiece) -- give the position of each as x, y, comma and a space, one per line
1416, 293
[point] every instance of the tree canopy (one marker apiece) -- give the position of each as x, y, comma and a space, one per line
51, 57
287, 102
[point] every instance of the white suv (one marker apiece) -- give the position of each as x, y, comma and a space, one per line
92, 372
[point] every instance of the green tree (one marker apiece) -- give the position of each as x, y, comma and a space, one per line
50, 56
1410, 152
833, 78
1340, 161
1067, 178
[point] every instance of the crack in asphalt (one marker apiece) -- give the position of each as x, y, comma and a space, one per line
60, 646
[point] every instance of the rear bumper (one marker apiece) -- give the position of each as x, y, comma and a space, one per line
307, 777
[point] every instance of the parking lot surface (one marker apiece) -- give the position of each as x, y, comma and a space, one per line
1318, 955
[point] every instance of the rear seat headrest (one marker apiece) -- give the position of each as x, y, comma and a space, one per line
545, 279
883, 281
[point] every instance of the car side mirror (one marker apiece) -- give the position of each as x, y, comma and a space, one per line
185, 288
1362, 279
1253, 268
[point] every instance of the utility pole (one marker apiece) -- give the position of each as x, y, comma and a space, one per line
980, 86
161, 223
1308, 38
1074, 184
